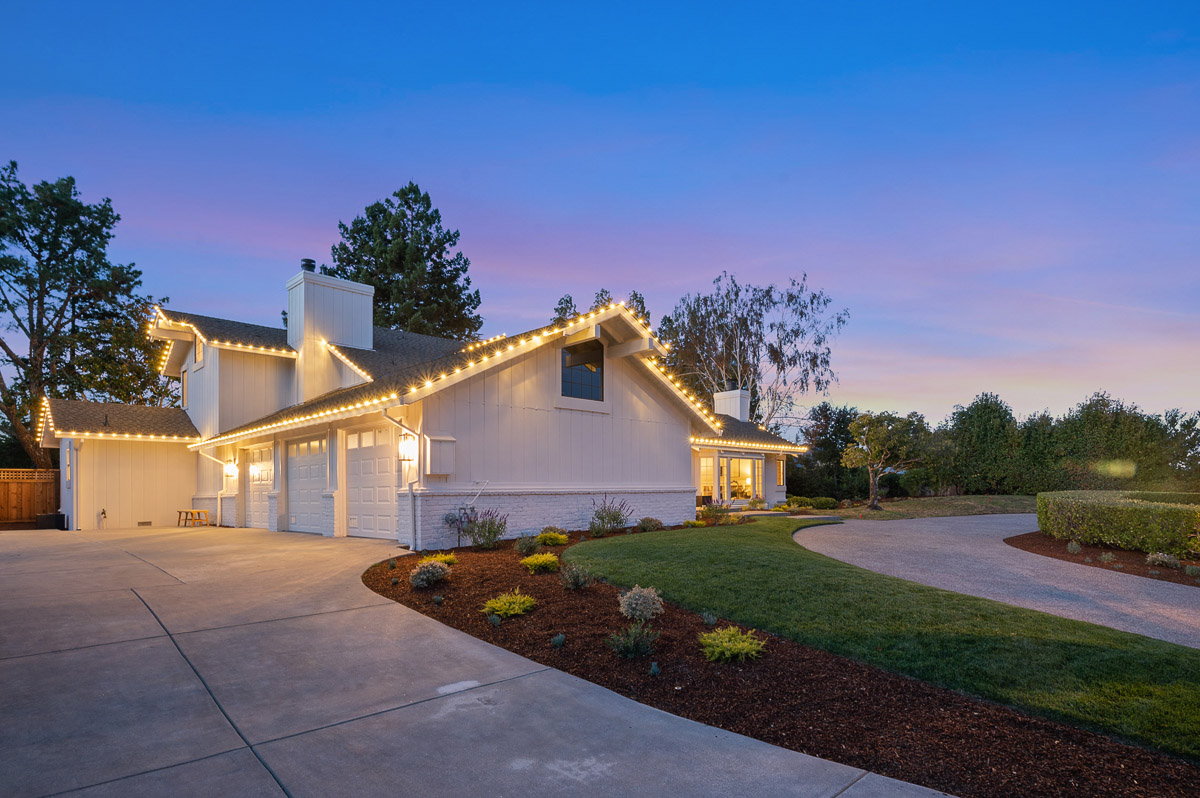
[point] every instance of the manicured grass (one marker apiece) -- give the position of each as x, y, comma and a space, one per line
938, 507
1123, 684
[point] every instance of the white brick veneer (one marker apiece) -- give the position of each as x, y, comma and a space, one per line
530, 510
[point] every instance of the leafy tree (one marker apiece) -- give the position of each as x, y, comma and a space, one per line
565, 310
73, 319
772, 341
984, 437
603, 299
399, 246
637, 304
819, 471
885, 443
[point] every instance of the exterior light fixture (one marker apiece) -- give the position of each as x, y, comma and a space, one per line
407, 449
231, 469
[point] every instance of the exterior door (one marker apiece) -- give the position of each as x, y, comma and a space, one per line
259, 482
306, 483
371, 483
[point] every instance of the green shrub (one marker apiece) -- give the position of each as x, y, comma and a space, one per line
1107, 556
609, 516
553, 538
640, 603
1120, 518
1073, 547
694, 524
444, 559
1192, 570
649, 524
438, 599
824, 503
558, 640
541, 563
506, 605
1162, 560
729, 643
575, 577
709, 617
391, 565
636, 641
756, 504
800, 501
716, 513
428, 573
487, 528
527, 544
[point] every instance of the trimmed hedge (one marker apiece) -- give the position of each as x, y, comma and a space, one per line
1138, 520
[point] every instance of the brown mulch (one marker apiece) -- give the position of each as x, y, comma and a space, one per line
1131, 562
793, 696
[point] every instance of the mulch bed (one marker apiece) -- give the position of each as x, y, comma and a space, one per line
793, 696
1130, 562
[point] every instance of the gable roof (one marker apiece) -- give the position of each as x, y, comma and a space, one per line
73, 418
407, 367
748, 435
226, 331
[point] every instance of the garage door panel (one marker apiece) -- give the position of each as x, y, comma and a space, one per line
260, 481
371, 486
306, 483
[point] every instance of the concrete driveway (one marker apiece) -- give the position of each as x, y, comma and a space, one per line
968, 555
249, 663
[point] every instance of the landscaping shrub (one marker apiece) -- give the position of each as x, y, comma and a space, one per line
650, 524
1107, 556
1162, 560
486, 529
1073, 547
575, 577
694, 524
636, 641
541, 563
1192, 570
756, 504
428, 573
800, 502
608, 516
718, 514
506, 605
824, 503
558, 640
527, 544
641, 603
1120, 518
708, 617
729, 643
553, 536
444, 559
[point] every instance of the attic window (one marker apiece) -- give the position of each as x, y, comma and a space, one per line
583, 371
199, 351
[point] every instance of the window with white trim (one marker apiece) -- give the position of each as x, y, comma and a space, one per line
583, 371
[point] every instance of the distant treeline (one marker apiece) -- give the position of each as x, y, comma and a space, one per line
1101, 444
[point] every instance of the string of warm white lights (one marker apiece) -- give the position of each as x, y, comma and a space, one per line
47, 418
725, 443
357, 369
247, 433
217, 344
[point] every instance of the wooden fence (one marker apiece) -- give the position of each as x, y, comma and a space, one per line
26, 493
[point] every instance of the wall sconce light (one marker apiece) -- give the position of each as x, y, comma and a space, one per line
407, 447
231, 469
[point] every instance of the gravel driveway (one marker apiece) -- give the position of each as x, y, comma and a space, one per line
968, 555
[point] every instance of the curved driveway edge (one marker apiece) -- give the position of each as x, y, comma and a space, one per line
199, 662
967, 554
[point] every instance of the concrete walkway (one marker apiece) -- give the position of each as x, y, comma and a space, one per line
229, 662
968, 555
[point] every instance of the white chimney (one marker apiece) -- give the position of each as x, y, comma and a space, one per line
324, 309
733, 403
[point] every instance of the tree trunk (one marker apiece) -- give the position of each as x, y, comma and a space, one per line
873, 504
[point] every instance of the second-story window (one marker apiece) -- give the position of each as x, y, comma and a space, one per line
583, 371
199, 351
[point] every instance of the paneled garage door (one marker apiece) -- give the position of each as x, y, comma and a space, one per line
260, 479
306, 482
371, 483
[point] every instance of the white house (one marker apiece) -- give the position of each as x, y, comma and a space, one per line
336, 427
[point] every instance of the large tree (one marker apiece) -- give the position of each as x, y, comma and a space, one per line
73, 320
885, 443
421, 285
566, 310
985, 438
772, 341
819, 471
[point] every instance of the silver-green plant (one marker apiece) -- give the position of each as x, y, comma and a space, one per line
641, 604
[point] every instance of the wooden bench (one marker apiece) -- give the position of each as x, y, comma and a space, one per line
192, 517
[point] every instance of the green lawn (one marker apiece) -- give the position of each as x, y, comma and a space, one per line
1130, 686
939, 506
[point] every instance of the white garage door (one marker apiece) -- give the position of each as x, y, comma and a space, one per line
371, 483
306, 482
260, 480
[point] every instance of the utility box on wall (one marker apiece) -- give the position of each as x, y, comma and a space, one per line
440, 461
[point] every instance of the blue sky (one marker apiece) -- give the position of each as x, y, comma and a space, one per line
1007, 198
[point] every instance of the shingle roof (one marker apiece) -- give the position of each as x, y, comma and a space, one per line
750, 433
111, 418
234, 332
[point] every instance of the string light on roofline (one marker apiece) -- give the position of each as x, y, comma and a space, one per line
725, 443
357, 369
296, 420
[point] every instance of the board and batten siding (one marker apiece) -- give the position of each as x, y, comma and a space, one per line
252, 386
508, 430
133, 481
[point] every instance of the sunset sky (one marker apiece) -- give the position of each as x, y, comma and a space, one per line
1007, 199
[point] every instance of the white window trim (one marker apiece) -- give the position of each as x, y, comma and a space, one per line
586, 405
183, 388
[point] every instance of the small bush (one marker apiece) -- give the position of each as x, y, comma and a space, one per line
541, 563
395, 581
756, 504
438, 599
730, 644
608, 516
445, 559
694, 524
391, 565
574, 576
654, 669
506, 605
717, 513
1192, 570
649, 524
641, 604
487, 528
527, 544
709, 617
1162, 560
800, 501
1106, 556
1125, 519
824, 503
494, 619
558, 640
636, 641
428, 573
1073, 547
553, 538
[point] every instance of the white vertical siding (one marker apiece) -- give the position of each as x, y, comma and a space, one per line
252, 386
132, 482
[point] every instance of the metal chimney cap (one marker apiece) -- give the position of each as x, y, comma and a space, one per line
308, 264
